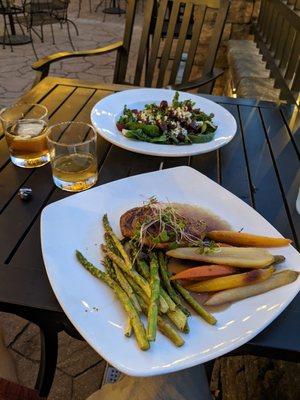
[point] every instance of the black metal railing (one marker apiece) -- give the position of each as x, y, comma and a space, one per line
277, 34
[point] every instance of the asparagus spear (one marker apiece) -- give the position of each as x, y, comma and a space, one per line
166, 281
135, 275
116, 241
115, 273
208, 317
164, 295
137, 324
128, 328
144, 271
139, 279
165, 328
186, 328
127, 288
140, 293
177, 317
154, 298
169, 331
109, 268
111, 245
143, 268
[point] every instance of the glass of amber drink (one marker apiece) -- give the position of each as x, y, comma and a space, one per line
73, 154
24, 126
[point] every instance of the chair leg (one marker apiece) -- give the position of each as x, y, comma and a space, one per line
20, 26
99, 5
52, 32
42, 32
49, 349
104, 14
119, 6
8, 36
209, 366
73, 23
4, 32
79, 8
32, 44
69, 34
91, 7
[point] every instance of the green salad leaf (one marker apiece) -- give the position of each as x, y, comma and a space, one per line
177, 122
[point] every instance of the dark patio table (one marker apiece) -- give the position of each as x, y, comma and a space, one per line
114, 8
260, 165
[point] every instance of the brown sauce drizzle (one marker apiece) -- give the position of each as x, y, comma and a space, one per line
212, 220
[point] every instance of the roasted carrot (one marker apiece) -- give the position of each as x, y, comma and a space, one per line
279, 279
232, 281
247, 239
204, 272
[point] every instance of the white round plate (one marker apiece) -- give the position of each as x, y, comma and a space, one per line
107, 111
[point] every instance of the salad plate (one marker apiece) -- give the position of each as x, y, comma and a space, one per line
75, 223
107, 113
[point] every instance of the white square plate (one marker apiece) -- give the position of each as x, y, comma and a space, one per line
75, 223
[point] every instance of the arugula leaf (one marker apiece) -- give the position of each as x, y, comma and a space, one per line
151, 130
202, 138
140, 135
175, 101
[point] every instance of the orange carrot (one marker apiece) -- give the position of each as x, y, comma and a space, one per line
247, 239
204, 272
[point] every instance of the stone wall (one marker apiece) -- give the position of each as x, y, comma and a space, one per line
238, 26
240, 16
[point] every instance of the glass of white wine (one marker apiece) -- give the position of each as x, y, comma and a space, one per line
24, 126
73, 155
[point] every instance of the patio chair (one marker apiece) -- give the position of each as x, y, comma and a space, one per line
150, 71
8, 10
38, 13
80, 6
111, 7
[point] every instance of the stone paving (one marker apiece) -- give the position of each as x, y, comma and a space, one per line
16, 75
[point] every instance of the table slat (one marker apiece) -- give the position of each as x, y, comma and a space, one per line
4, 154
292, 118
234, 168
120, 163
26, 286
286, 163
207, 164
268, 200
173, 162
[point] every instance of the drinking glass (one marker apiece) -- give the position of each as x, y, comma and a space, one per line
24, 128
73, 154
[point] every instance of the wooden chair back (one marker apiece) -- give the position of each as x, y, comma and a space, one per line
160, 53
277, 34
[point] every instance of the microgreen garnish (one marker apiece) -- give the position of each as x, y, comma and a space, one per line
163, 223
209, 247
